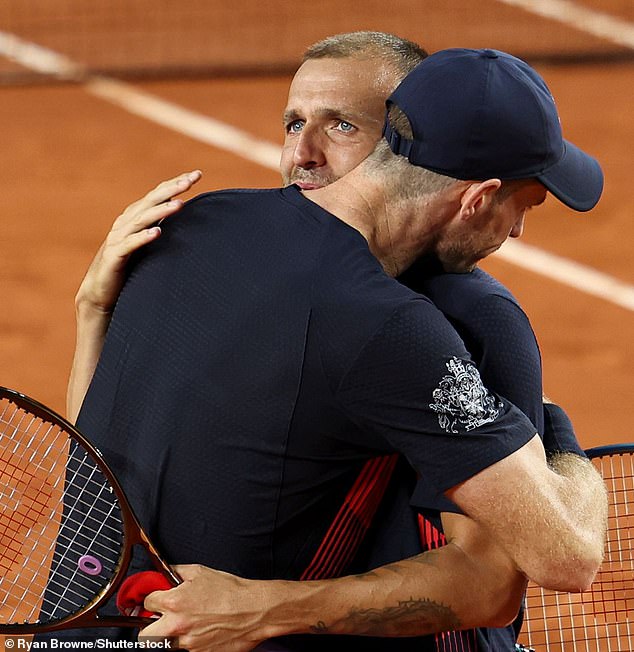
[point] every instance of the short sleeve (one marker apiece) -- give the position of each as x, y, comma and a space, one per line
509, 357
415, 385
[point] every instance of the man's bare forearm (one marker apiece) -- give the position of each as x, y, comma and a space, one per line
92, 325
467, 583
440, 590
398, 615
100, 287
550, 518
416, 616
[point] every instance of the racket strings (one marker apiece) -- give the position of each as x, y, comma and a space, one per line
71, 585
61, 528
601, 619
86, 526
24, 498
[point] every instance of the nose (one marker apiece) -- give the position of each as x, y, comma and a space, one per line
309, 152
518, 227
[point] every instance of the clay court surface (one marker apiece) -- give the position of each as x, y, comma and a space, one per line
71, 160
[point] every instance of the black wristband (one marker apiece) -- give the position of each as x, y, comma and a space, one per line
559, 435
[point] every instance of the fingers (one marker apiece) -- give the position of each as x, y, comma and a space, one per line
168, 189
205, 612
157, 601
158, 630
156, 205
137, 225
167, 626
133, 229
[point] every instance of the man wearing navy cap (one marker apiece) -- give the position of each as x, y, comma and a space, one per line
327, 372
513, 130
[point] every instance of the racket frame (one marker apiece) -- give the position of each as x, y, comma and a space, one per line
133, 534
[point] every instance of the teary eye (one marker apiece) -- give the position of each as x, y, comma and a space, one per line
345, 126
295, 126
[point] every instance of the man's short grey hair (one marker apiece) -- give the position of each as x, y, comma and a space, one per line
405, 180
399, 121
401, 54
401, 124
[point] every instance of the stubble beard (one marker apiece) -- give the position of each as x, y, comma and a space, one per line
299, 175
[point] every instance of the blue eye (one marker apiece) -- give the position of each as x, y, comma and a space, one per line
345, 126
295, 127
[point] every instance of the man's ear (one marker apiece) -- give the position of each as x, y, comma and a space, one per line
476, 196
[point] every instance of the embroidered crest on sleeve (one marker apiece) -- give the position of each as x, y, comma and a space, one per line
461, 400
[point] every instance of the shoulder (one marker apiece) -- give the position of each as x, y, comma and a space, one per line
238, 199
367, 321
403, 337
469, 288
475, 300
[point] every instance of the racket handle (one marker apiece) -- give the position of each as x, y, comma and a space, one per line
135, 588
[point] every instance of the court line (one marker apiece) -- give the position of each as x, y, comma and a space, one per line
590, 21
199, 127
37, 58
195, 125
576, 275
247, 146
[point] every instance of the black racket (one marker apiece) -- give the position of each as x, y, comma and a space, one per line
602, 618
66, 529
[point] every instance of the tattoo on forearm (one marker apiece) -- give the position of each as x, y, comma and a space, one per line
416, 616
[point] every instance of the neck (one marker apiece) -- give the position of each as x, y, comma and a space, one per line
398, 231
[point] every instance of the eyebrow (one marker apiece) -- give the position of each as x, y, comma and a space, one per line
289, 116
324, 112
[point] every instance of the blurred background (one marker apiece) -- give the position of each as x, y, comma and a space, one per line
101, 100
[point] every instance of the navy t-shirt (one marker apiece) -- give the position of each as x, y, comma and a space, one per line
498, 335
257, 357
496, 332
494, 328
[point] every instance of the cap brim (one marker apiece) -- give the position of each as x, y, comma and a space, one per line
576, 179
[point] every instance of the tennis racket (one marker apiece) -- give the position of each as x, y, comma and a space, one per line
602, 618
67, 530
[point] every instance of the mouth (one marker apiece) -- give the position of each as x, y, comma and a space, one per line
308, 186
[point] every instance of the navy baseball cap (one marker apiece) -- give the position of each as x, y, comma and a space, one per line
483, 114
